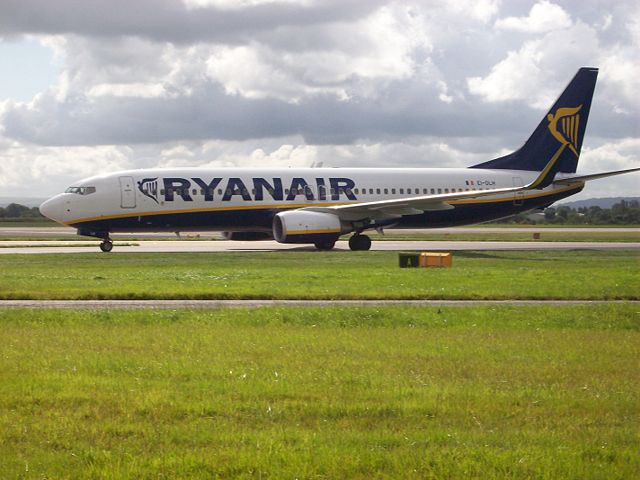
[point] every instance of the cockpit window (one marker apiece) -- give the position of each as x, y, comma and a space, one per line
81, 190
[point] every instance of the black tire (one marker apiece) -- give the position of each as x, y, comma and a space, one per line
106, 246
360, 243
325, 245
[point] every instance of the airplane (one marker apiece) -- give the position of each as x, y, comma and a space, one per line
318, 205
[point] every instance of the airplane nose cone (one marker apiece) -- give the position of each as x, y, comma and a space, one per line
52, 209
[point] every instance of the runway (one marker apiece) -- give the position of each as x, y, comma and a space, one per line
211, 246
18, 231
213, 304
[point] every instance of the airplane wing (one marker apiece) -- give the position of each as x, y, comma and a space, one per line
417, 205
595, 176
405, 206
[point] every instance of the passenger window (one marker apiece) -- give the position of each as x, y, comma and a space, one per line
446, 190
195, 192
393, 191
162, 191
377, 191
439, 190
402, 191
371, 191
386, 191
219, 191
433, 190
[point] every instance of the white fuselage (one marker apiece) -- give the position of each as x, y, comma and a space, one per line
140, 193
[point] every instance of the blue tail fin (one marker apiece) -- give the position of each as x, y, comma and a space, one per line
560, 132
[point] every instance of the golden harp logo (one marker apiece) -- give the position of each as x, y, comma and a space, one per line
564, 125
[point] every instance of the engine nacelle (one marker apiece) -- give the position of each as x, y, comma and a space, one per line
299, 226
247, 236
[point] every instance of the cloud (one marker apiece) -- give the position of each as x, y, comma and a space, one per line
543, 17
170, 20
279, 83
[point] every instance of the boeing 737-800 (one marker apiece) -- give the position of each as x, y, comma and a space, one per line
318, 205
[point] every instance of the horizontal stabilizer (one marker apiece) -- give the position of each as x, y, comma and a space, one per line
594, 176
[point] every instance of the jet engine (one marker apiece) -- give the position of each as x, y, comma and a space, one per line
300, 226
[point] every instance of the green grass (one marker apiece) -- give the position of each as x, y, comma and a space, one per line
398, 392
320, 275
527, 236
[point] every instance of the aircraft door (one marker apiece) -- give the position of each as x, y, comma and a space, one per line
518, 197
127, 192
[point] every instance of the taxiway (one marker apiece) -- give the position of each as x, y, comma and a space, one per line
182, 246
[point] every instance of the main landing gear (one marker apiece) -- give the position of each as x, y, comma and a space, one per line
106, 245
359, 242
325, 245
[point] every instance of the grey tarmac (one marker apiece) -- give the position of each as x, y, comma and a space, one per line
215, 304
211, 246
55, 231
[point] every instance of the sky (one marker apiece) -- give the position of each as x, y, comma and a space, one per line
93, 86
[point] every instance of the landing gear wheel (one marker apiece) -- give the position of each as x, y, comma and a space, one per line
325, 245
106, 245
359, 242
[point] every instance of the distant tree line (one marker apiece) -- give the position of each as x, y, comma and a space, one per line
625, 212
15, 210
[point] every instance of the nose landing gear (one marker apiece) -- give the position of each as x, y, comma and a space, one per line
359, 242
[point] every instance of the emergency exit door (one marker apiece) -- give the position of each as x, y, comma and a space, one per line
127, 193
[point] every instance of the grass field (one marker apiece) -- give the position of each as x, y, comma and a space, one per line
398, 392
321, 275
526, 236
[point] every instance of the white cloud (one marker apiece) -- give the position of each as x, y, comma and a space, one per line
287, 83
478, 10
42, 171
548, 61
616, 155
239, 4
136, 89
543, 17
376, 48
